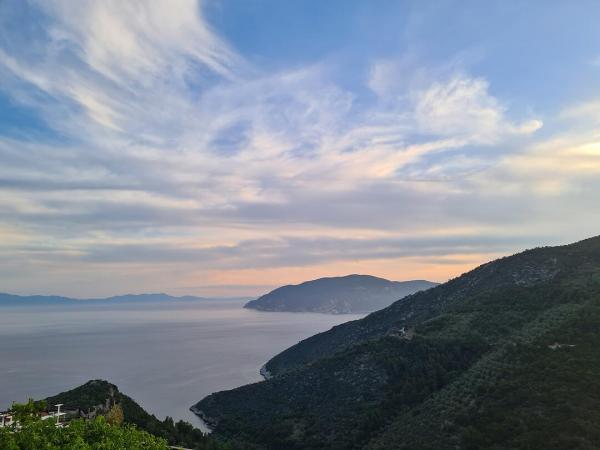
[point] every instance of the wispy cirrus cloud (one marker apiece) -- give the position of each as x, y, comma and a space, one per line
137, 41
168, 146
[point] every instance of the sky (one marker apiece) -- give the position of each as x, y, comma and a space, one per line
226, 147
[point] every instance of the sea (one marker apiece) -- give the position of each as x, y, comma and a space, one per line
165, 355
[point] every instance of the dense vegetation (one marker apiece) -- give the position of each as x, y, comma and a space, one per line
357, 388
98, 397
502, 357
95, 434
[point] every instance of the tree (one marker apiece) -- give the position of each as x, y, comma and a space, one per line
115, 416
97, 434
28, 412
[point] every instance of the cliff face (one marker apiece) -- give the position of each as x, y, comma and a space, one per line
494, 358
338, 295
96, 397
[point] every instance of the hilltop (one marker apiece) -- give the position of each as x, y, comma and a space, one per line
338, 295
97, 397
502, 357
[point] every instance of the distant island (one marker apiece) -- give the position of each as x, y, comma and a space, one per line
39, 300
338, 295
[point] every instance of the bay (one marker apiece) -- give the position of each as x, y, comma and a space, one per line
165, 355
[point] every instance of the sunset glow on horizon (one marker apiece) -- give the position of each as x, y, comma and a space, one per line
224, 148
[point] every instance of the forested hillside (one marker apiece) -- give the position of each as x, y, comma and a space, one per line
502, 357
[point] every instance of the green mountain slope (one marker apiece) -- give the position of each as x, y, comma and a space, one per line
483, 361
538, 392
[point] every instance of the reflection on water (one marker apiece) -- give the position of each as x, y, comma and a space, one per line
166, 356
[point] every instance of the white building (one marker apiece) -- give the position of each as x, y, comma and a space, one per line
6, 419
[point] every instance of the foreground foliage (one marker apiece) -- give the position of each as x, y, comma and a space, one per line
81, 434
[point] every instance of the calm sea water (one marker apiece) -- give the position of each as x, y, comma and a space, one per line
167, 356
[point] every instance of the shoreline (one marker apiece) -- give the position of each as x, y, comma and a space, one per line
265, 373
209, 424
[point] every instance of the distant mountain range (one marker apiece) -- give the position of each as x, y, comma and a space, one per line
338, 295
21, 300
503, 357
